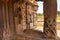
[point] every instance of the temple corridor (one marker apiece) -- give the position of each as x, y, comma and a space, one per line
19, 17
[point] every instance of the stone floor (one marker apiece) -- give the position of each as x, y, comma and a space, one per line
32, 35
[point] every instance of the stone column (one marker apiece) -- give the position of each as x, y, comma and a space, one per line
5, 20
50, 13
8, 21
1, 21
27, 16
11, 19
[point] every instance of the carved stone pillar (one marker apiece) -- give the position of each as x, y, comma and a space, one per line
27, 16
8, 21
11, 19
50, 12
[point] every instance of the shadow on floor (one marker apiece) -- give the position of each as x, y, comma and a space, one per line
32, 35
33, 32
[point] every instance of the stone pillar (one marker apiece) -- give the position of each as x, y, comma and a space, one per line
11, 19
50, 13
1, 21
27, 16
8, 20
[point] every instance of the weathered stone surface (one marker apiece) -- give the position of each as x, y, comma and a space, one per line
32, 35
50, 13
18, 15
